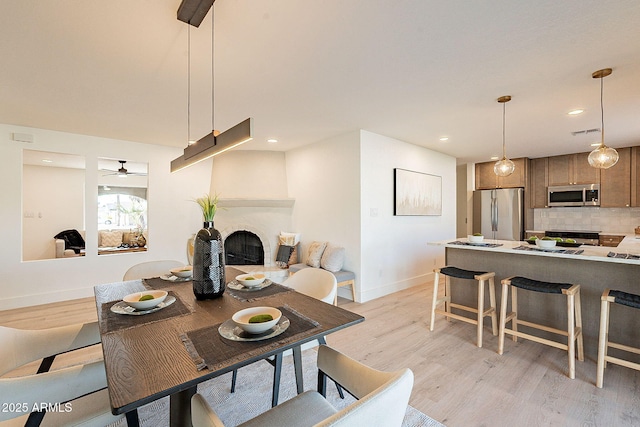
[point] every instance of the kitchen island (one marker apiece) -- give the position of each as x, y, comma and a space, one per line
595, 268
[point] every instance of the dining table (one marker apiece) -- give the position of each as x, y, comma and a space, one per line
170, 350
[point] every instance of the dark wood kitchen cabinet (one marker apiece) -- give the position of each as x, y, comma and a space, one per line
615, 182
486, 179
635, 176
539, 179
572, 169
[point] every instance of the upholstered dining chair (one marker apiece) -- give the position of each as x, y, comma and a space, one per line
76, 393
382, 398
148, 269
313, 282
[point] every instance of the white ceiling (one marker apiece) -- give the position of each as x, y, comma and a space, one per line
306, 70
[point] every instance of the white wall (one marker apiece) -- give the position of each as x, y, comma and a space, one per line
394, 249
249, 174
46, 189
324, 178
344, 194
172, 216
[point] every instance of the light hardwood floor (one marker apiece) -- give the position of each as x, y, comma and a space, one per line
455, 382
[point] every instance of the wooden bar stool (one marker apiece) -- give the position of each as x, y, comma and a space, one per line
481, 313
574, 317
604, 344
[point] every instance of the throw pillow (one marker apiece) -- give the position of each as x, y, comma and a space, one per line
315, 253
332, 258
289, 239
293, 259
283, 256
110, 238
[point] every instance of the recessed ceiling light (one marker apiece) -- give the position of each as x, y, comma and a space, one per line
444, 138
494, 158
47, 161
595, 144
272, 140
576, 112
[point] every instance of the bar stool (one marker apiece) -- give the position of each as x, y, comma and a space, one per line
604, 344
574, 316
481, 313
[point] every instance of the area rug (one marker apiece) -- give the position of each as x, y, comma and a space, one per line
253, 395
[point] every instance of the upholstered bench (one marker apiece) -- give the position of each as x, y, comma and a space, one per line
343, 277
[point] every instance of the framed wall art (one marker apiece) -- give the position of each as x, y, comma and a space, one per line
416, 193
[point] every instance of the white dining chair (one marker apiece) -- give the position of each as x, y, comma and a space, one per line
148, 269
313, 282
79, 391
382, 398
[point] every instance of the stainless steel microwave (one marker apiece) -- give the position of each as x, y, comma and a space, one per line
574, 195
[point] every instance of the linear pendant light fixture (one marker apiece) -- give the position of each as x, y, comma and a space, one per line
193, 12
602, 157
504, 167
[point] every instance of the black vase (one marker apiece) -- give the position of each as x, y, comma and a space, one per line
208, 263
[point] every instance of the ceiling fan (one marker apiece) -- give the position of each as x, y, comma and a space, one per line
123, 172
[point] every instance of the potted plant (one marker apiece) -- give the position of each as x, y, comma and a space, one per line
208, 253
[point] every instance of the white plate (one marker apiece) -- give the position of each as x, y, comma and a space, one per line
124, 308
237, 286
172, 278
230, 331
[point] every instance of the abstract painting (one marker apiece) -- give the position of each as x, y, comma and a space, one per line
417, 193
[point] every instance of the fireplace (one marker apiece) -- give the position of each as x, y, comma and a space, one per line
243, 247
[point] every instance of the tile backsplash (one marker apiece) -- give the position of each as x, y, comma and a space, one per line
611, 220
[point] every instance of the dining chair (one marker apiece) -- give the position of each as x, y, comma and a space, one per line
74, 395
148, 269
313, 282
382, 398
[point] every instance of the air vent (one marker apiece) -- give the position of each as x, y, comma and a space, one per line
585, 131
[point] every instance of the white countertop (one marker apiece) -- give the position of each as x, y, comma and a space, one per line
630, 245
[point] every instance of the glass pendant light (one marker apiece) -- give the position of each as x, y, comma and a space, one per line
602, 157
504, 167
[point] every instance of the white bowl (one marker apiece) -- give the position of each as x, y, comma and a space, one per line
545, 244
251, 280
134, 299
475, 239
182, 272
241, 318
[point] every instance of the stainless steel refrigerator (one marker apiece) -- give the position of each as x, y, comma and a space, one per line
499, 213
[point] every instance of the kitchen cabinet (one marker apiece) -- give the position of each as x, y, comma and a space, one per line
635, 176
539, 179
572, 169
486, 179
615, 182
609, 240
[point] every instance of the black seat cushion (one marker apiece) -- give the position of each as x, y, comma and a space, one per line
539, 286
625, 298
460, 273
72, 240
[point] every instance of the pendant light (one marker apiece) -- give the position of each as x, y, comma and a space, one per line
602, 157
192, 12
504, 167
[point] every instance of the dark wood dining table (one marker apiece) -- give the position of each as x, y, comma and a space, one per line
146, 357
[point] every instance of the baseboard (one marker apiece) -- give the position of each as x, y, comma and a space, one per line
371, 294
